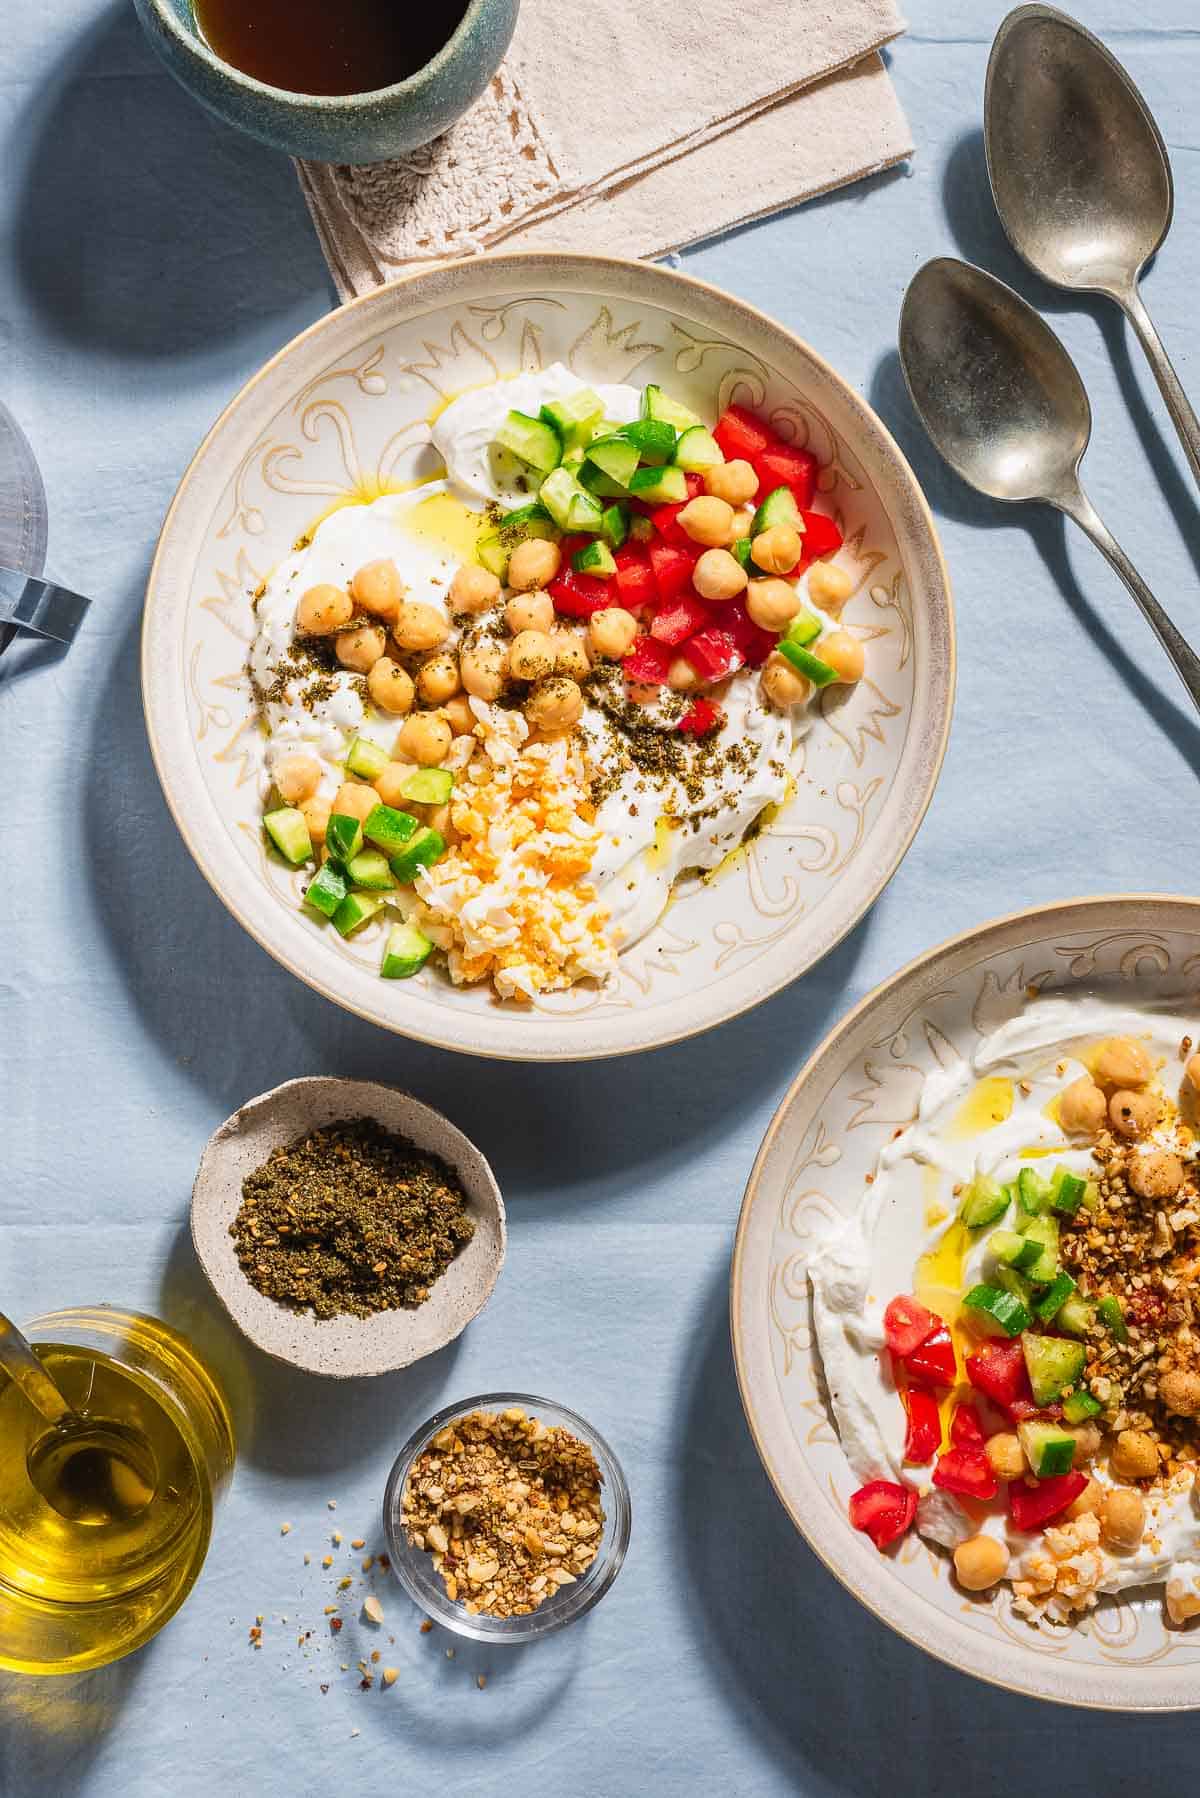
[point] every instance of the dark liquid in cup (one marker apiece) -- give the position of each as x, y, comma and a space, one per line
328, 46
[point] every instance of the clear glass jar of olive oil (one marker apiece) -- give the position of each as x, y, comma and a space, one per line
105, 1547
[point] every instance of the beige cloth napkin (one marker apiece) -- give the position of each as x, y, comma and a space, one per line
643, 152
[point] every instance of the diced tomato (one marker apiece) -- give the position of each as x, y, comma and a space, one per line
755, 645
672, 565
783, 466
906, 1325
681, 618
1032, 1506
933, 1363
701, 716
665, 521
924, 1431
883, 1510
634, 579
647, 662
1000, 1372
569, 544
713, 653
966, 1431
695, 485
821, 536
579, 595
741, 435
966, 1471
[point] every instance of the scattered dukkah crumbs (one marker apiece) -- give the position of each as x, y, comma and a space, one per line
349, 1220
509, 1508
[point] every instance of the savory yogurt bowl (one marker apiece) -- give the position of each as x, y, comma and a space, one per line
998, 1144
376, 440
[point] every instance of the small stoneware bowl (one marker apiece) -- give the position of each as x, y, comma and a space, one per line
343, 1347
368, 127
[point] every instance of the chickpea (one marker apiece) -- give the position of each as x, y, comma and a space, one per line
483, 668
473, 589
611, 632
532, 611
777, 549
353, 800
1135, 1457
743, 522
419, 626
297, 777
681, 676
316, 816
735, 482
782, 684
389, 784
718, 575
1192, 1072
1180, 1392
437, 679
459, 716
708, 521
1006, 1455
533, 564
1123, 1518
323, 610
844, 654
1089, 1501
980, 1562
1158, 1175
772, 604
829, 587
426, 738
377, 588
360, 649
1087, 1441
532, 655
570, 654
1122, 1061
1132, 1113
390, 687
555, 703
1082, 1109
1181, 1604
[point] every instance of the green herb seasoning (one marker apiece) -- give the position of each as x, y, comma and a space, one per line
350, 1220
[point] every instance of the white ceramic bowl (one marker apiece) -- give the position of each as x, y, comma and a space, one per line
344, 410
859, 1088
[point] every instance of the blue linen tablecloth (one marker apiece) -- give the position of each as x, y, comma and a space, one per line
153, 260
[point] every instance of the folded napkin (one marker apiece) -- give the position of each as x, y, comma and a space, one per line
626, 141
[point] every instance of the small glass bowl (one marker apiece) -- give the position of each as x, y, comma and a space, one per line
414, 1566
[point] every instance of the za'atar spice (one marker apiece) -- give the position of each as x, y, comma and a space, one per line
349, 1220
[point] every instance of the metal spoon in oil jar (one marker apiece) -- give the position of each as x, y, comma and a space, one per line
90, 1470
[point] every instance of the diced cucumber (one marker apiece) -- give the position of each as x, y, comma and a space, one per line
366, 759
1091, 1196
1033, 1193
1048, 1448
995, 1311
660, 405
1014, 1281
614, 524
740, 548
288, 831
817, 671
698, 449
984, 1199
1113, 1318
616, 457
640, 528
355, 910
573, 460
653, 440
1055, 1297
594, 558
405, 952
1043, 1231
428, 786
575, 416
343, 836
803, 628
1054, 1365
569, 504
600, 484
369, 868
779, 507
1066, 1191
661, 486
421, 851
1078, 1407
389, 829
532, 439
326, 890
515, 527
1075, 1315
1013, 1250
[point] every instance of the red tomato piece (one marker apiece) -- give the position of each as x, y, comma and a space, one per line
647, 662
1032, 1506
966, 1471
924, 1433
907, 1324
883, 1510
966, 1431
783, 466
742, 436
701, 716
634, 579
579, 595
569, 544
695, 485
1000, 1373
754, 645
680, 619
665, 521
713, 653
821, 537
933, 1363
672, 565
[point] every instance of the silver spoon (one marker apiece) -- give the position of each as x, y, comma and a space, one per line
1005, 406
1080, 175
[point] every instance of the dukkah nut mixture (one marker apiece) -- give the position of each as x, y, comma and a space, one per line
508, 1507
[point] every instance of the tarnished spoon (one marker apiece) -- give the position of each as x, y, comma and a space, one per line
1005, 406
1080, 175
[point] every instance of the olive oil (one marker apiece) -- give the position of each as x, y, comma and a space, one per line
327, 46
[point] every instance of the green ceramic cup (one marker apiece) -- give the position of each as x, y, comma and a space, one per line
337, 127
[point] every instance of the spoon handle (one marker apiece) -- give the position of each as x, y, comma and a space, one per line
1078, 506
24, 1368
1170, 386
